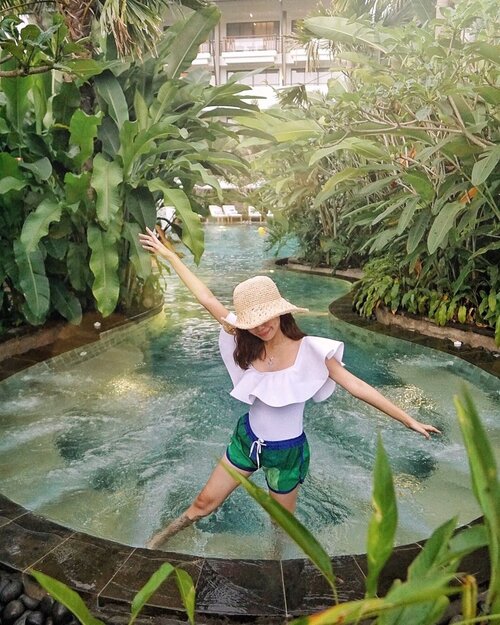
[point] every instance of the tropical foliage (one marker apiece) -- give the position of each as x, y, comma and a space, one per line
398, 161
72, 600
133, 25
432, 578
424, 596
87, 151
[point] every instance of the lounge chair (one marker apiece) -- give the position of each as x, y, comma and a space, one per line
231, 212
217, 213
254, 214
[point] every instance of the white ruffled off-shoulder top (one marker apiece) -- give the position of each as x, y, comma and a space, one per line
277, 398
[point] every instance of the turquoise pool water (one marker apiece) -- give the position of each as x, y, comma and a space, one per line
119, 442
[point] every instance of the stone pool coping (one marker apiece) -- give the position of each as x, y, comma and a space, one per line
109, 574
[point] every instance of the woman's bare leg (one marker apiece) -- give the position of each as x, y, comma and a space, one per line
288, 501
217, 489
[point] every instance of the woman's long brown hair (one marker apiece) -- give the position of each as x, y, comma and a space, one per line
250, 347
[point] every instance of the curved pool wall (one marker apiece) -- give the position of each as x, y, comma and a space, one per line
131, 432
111, 572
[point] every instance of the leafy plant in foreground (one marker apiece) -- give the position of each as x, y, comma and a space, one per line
72, 600
432, 577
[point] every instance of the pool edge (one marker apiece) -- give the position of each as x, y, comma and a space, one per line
106, 572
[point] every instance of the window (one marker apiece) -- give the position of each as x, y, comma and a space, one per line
317, 77
266, 77
253, 29
251, 36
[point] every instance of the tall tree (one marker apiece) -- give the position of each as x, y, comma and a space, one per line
133, 24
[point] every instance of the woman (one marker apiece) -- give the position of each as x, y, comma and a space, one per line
275, 368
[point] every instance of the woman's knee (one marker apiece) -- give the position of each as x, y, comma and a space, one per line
204, 504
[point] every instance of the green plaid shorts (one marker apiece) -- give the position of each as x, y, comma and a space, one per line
285, 463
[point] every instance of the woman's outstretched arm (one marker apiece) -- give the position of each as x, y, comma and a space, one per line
360, 389
202, 293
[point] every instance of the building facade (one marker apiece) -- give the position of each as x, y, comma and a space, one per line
257, 36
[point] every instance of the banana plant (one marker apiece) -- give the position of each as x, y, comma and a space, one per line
78, 184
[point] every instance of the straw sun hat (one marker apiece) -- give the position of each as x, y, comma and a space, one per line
256, 301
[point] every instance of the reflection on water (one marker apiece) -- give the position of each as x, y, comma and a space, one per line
120, 443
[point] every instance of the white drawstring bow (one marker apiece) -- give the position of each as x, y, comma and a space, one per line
258, 444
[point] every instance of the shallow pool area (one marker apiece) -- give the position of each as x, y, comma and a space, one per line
121, 440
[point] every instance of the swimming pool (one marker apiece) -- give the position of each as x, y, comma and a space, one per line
119, 442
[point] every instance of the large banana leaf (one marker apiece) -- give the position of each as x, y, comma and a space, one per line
65, 302
86, 68
41, 92
57, 247
77, 264
17, 102
106, 180
83, 129
141, 110
9, 183
76, 186
279, 129
184, 46
141, 206
192, 231
296, 130
37, 223
110, 90
109, 135
219, 159
207, 178
104, 266
134, 142
345, 30
33, 282
139, 257
42, 168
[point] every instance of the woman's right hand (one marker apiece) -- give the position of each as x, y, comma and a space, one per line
151, 243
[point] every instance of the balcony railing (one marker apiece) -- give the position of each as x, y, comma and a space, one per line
251, 44
206, 46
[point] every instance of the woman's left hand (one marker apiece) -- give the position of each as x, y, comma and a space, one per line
422, 428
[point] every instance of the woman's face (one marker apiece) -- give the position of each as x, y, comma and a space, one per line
268, 330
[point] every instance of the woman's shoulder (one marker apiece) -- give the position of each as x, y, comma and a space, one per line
322, 347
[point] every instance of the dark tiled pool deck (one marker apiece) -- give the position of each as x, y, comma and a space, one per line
107, 573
